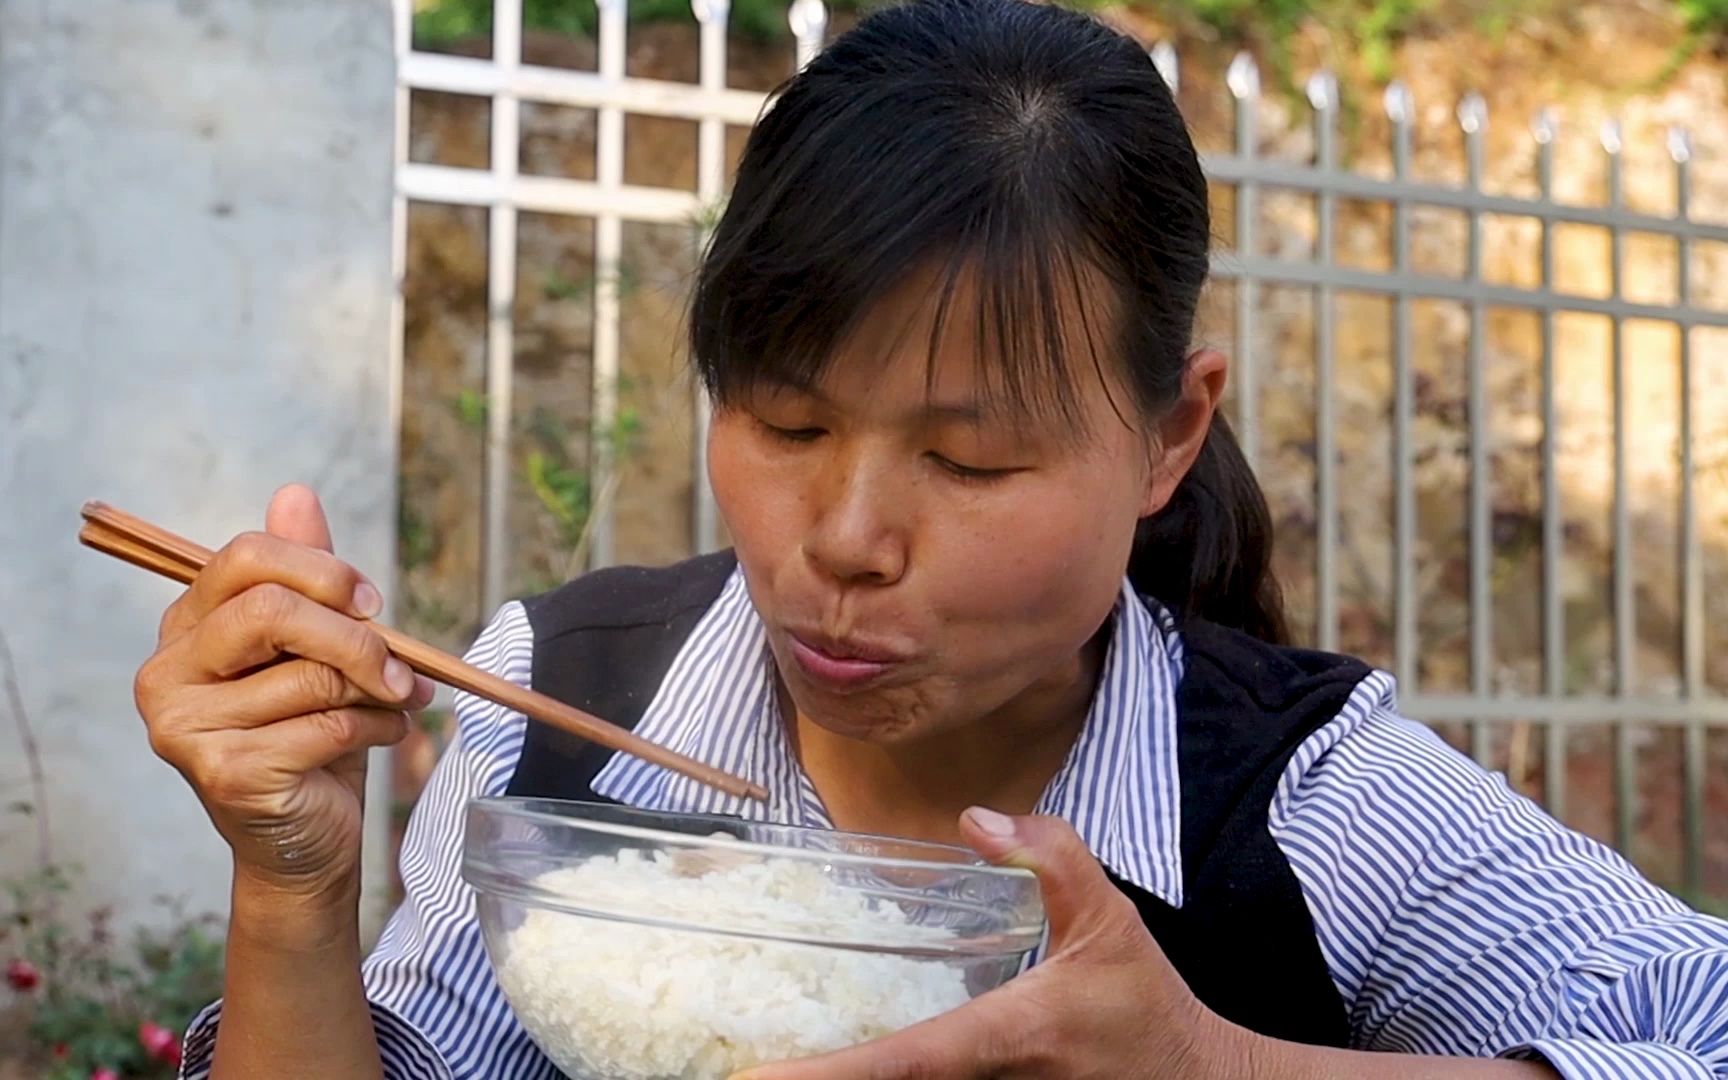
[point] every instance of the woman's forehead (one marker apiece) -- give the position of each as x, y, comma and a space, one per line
956, 351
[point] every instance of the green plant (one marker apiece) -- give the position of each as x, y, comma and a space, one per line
562, 483
1381, 25
1235, 16
415, 541
1704, 16
559, 286
1370, 28
470, 406
562, 490
626, 431
1706, 23
445, 22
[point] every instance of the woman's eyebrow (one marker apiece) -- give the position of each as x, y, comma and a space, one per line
966, 412
957, 410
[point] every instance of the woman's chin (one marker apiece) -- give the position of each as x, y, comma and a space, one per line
850, 718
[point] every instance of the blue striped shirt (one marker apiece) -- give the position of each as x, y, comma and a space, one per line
1455, 917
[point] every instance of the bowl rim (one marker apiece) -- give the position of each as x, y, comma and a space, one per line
971, 862
1024, 918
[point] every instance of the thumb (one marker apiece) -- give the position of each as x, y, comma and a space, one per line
1077, 893
296, 514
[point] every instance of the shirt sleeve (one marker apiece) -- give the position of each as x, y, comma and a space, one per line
1458, 918
436, 1009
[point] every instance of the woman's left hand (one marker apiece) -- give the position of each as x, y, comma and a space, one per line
1104, 1003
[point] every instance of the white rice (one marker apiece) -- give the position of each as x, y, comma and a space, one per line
612, 1000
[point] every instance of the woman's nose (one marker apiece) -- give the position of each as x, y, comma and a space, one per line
859, 536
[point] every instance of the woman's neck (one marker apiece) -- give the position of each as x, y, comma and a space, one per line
918, 790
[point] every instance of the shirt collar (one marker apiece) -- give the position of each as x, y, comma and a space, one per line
1118, 788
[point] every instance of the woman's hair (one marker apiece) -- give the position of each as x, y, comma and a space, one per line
1036, 158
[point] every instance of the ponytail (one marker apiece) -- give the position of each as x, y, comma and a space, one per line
1208, 553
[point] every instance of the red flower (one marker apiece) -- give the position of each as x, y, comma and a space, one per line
22, 976
62, 1051
104, 1073
160, 1043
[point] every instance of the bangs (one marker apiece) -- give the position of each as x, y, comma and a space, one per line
1038, 320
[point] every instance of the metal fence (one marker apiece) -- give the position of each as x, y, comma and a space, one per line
610, 202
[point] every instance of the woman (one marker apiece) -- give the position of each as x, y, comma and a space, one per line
1000, 577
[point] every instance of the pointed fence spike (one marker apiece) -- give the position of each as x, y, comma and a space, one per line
1243, 77
1472, 113
1165, 60
1399, 103
807, 18
707, 11
1544, 127
1680, 144
1613, 138
1322, 91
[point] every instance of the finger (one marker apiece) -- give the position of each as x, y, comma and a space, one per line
981, 1038
304, 743
1078, 896
296, 515
293, 688
268, 621
252, 559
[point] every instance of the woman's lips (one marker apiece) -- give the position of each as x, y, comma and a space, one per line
839, 665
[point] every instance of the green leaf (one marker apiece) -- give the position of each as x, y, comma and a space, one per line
558, 286
471, 407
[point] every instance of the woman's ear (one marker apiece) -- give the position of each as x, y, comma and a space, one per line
1182, 430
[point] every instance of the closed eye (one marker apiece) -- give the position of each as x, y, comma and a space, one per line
799, 435
970, 472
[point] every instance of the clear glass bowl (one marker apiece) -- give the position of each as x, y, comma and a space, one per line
636, 945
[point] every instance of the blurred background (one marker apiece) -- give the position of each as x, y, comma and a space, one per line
1472, 262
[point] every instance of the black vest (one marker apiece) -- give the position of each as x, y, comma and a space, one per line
1243, 938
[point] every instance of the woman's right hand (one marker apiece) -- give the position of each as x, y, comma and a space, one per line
266, 690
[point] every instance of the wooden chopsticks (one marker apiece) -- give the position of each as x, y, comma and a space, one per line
133, 540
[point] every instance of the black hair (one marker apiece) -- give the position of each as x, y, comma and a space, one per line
1041, 153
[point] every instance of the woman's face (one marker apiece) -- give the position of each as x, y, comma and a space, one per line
920, 559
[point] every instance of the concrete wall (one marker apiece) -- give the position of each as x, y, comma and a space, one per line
194, 308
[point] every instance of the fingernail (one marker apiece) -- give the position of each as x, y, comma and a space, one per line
424, 691
368, 602
991, 823
399, 677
